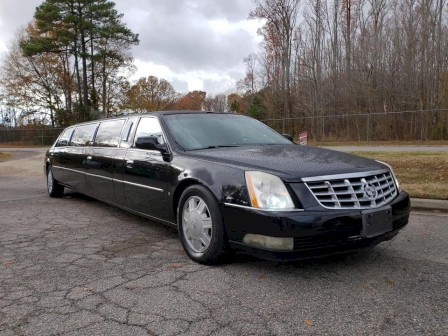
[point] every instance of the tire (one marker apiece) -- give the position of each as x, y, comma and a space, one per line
53, 187
201, 229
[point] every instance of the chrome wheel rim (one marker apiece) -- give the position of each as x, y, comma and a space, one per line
50, 181
197, 224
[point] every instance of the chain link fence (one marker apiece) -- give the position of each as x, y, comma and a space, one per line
421, 125
29, 136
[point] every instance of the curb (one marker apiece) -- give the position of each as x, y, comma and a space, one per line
429, 204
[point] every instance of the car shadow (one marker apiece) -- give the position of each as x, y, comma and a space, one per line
238, 258
69, 194
352, 258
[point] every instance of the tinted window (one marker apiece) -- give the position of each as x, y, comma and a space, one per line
128, 130
149, 127
83, 135
64, 139
200, 130
108, 134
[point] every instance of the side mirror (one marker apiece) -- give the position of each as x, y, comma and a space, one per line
150, 143
288, 136
62, 143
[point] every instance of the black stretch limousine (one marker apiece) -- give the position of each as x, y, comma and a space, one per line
229, 181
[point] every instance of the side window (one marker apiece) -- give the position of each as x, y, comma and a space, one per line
64, 139
83, 135
129, 128
108, 134
149, 127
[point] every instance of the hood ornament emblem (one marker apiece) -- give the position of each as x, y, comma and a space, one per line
369, 190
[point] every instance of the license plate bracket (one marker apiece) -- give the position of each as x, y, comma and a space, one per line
376, 222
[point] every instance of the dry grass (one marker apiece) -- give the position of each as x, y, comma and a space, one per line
381, 143
4, 156
422, 174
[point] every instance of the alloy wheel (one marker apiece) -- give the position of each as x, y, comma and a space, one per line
197, 224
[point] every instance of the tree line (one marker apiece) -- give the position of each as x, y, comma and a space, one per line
67, 61
320, 62
72, 63
347, 57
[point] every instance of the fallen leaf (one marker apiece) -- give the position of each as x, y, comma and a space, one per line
390, 281
309, 323
262, 276
368, 288
87, 289
176, 266
131, 286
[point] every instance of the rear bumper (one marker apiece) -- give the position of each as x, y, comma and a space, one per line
314, 233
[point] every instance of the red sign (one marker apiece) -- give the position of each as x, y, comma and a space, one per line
303, 138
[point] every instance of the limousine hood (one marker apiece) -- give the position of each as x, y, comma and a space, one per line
289, 162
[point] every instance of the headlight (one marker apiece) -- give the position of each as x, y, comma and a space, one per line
267, 191
392, 171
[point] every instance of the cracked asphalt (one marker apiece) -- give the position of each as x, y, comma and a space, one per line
76, 266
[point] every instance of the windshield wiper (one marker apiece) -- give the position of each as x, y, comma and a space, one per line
216, 146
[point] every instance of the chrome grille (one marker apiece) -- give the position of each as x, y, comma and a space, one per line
358, 191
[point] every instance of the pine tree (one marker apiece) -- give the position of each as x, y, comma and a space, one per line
89, 30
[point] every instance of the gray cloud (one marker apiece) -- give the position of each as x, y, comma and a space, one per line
232, 10
195, 48
218, 86
183, 35
177, 33
14, 15
179, 85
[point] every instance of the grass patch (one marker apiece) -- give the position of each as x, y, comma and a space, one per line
422, 174
4, 156
381, 143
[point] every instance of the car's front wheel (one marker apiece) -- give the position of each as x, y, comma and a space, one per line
201, 229
54, 188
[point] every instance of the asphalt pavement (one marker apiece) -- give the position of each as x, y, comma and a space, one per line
76, 266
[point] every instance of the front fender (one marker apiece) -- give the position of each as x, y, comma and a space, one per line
226, 183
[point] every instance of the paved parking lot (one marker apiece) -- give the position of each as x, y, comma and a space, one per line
76, 266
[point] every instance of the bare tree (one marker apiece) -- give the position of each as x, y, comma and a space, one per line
347, 57
281, 17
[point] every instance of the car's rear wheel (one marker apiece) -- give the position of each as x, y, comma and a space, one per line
201, 229
55, 189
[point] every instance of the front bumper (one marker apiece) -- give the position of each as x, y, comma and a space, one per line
315, 233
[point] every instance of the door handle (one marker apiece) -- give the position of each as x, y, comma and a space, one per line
129, 163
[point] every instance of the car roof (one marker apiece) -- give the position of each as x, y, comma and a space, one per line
155, 113
179, 112
168, 112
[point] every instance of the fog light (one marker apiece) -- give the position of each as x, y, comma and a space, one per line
274, 243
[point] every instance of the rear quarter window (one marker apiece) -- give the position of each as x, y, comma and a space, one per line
64, 139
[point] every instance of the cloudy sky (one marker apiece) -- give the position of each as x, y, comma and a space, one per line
195, 44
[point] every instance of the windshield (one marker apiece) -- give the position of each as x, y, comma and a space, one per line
199, 131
